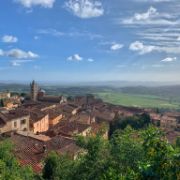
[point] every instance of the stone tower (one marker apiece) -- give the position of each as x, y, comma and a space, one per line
34, 91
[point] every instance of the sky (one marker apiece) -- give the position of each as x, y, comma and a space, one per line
90, 40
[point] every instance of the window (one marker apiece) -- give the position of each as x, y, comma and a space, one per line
23, 121
15, 124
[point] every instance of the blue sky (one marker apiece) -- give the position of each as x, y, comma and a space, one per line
90, 40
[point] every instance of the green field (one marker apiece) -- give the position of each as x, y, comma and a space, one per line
137, 100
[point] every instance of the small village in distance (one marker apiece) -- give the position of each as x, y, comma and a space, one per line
43, 123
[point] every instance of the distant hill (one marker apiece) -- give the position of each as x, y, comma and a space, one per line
170, 92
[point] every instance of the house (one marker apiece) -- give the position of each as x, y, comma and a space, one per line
69, 129
11, 103
52, 99
32, 149
39, 121
5, 95
83, 118
14, 120
55, 116
70, 109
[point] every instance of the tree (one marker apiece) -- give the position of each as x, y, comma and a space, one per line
136, 122
50, 167
9, 166
129, 154
161, 159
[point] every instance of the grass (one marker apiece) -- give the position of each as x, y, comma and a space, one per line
137, 100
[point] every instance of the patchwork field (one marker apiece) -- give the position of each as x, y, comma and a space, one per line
137, 100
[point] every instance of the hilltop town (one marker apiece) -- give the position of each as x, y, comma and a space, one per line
42, 123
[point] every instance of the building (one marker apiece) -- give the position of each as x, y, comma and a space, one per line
14, 121
31, 150
55, 116
34, 91
69, 129
5, 95
39, 121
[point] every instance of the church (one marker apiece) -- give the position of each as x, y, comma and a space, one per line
38, 94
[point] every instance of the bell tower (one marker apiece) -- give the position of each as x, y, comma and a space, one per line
34, 91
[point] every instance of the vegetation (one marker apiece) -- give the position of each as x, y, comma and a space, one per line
136, 122
166, 97
138, 100
9, 166
130, 154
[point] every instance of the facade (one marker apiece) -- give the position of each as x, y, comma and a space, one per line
5, 95
38, 123
14, 121
54, 118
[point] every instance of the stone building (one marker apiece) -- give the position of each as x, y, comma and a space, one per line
5, 95
34, 91
14, 121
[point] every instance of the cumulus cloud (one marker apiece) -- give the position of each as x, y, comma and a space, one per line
75, 57
85, 8
169, 59
141, 48
9, 39
151, 12
116, 46
42, 3
18, 54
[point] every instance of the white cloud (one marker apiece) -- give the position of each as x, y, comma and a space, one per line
169, 59
30, 3
75, 57
152, 12
144, 49
52, 32
85, 8
20, 54
19, 62
116, 46
9, 39
90, 60
57, 33
141, 48
150, 17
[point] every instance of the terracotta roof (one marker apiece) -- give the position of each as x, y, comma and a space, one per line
53, 113
67, 128
36, 115
13, 114
30, 151
55, 99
